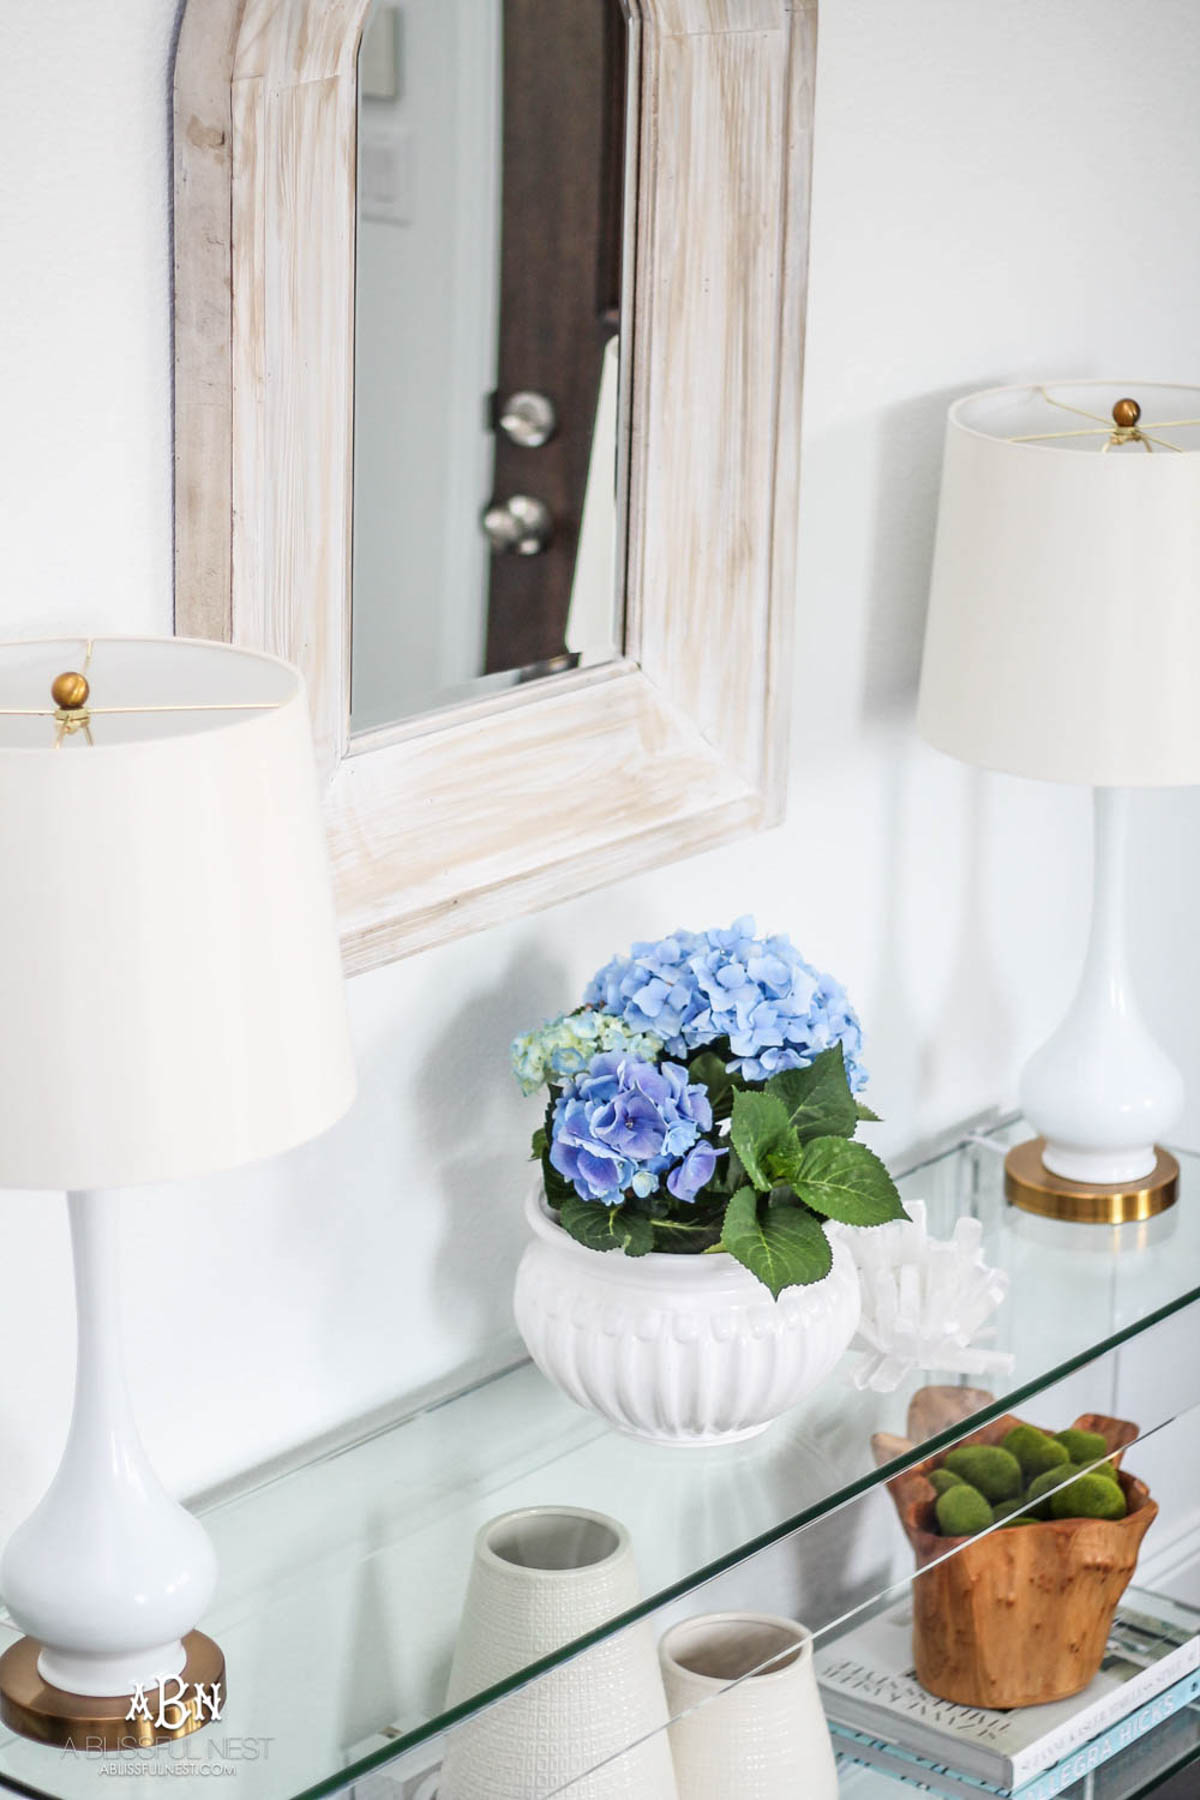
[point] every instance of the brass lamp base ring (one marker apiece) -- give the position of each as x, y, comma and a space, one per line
1029, 1184
79, 1722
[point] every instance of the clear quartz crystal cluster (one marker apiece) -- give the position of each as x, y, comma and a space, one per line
924, 1301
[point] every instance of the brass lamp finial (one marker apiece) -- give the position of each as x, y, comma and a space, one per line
70, 690
1126, 414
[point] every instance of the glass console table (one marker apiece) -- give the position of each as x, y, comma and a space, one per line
343, 1576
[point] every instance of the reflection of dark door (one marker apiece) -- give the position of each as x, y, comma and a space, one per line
560, 237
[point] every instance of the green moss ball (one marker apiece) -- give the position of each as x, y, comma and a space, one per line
1042, 1484
1082, 1446
1021, 1518
945, 1478
1050, 1478
1089, 1497
1035, 1450
962, 1510
993, 1470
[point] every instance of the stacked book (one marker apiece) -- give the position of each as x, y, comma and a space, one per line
881, 1715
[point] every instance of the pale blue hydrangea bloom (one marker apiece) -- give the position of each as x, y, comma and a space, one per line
693, 988
564, 1047
623, 1125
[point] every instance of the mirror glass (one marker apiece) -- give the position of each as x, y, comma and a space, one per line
489, 251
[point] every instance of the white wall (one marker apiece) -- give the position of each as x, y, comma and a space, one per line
1001, 192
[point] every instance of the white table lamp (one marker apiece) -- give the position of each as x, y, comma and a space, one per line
171, 1004
1063, 642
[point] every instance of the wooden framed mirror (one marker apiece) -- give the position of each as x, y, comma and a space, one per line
548, 743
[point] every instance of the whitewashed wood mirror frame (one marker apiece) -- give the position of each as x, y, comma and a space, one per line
452, 821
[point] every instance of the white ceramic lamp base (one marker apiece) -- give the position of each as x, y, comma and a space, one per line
1101, 1092
109, 1574
173, 1006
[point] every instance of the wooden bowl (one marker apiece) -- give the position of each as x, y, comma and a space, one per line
1022, 1616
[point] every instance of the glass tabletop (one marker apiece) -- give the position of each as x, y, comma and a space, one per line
342, 1579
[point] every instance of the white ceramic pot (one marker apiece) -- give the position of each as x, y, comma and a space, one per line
686, 1350
764, 1738
540, 1579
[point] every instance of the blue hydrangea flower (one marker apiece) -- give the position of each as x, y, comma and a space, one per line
697, 1168
624, 1124
692, 988
564, 1047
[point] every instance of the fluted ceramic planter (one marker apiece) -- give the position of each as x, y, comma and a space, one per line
747, 1718
682, 1350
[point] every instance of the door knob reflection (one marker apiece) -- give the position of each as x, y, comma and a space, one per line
528, 419
521, 526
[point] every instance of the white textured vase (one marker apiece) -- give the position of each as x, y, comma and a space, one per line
540, 1579
764, 1738
684, 1350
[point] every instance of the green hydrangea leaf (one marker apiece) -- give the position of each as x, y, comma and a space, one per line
818, 1098
846, 1181
710, 1071
557, 1188
602, 1227
541, 1144
727, 1176
779, 1242
687, 1236
865, 1114
558, 1191
762, 1136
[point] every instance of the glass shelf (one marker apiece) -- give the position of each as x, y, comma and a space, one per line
837, 1573
1135, 1775
342, 1578
1139, 1770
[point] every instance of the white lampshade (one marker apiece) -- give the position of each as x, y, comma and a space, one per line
1063, 638
171, 995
